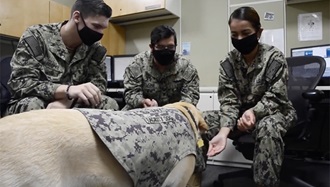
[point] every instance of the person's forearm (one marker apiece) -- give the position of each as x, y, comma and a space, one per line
133, 97
224, 131
192, 96
60, 92
43, 89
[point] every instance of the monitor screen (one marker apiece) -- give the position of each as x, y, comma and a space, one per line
119, 64
320, 50
108, 67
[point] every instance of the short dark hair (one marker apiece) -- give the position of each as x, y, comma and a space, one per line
246, 13
92, 8
162, 32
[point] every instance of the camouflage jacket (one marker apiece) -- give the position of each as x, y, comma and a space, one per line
42, 62
142, 80
148, 142
261, 86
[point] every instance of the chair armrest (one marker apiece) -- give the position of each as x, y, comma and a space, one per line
313, 95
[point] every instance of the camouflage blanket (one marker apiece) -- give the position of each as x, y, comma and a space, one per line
148, 143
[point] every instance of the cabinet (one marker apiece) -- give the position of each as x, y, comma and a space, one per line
16, 16
114, 39
132, 11
58, 12
114, 36
208, 99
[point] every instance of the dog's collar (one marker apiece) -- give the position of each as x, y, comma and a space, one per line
191, 115
200, 142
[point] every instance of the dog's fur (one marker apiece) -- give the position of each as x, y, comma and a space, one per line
59, 148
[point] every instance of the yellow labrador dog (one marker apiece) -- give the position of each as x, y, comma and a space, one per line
65, 147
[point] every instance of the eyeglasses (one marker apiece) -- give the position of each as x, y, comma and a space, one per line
162, 47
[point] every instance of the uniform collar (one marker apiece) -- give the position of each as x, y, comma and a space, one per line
257, 64
57, 46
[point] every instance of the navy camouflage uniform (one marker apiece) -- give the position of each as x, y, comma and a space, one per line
261, 87
41, 63
179, 83
142, 80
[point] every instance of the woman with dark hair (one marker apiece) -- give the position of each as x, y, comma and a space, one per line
253, 96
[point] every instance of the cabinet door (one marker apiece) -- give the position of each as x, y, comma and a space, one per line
114, 39
216, 104
127, 7
205, 101
17, 15
58, 12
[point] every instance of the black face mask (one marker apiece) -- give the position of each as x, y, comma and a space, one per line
164, 57
245, 45
87, 35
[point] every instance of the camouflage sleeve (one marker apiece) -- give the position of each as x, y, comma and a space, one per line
97, 69
190, 89
133, 85
25, 77
276, 95
227, 95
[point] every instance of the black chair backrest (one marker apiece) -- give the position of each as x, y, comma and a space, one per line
304, 74
5, 71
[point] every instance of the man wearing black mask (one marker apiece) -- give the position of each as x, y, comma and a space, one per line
55, 64
160, 76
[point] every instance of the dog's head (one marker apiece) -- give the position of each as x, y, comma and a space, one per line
192, 113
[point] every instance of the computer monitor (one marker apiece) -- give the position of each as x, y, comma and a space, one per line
107, 61
319, 50
119, 64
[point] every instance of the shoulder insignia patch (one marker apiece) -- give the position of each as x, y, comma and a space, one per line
100, 52
34, 47
272, 70
228, 68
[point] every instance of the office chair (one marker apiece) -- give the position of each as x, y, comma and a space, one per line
302, 141
5, 71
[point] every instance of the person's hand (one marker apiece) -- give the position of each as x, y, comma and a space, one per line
247, 121
59, 104
87, 93
217, 145
149, 103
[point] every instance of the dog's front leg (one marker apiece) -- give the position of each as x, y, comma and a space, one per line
181, 173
